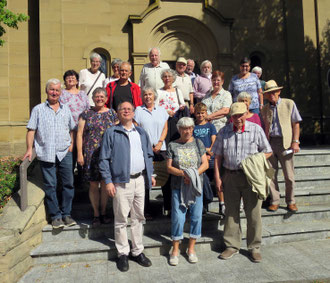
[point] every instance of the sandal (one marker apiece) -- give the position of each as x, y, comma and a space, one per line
104, 219
96, 221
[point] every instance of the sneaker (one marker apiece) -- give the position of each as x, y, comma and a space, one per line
192, 258
57, 223
255, 257
69, 221
228, 253
174, 260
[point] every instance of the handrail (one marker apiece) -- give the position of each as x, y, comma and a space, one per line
23, 181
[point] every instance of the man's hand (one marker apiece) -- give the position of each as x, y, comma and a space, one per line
111, 189
218, 185
182, 107
295, 147
28, 154
153, 181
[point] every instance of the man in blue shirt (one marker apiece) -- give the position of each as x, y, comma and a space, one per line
126, 165
50, 130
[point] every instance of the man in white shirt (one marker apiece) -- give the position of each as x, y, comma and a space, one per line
183, 82
190, 70
150, 74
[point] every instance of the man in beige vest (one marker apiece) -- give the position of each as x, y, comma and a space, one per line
281, 118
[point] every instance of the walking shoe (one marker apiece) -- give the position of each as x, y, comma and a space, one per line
104, 219
174, 260
192, 258
122, 263
57, 223
228, 253
142, 260
292, 207
68, 221
273, 207
255, 257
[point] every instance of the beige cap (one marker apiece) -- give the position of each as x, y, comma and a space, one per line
238, 108
271, 86
182, 60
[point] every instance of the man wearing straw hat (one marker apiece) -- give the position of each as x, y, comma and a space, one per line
281, 118
236, 142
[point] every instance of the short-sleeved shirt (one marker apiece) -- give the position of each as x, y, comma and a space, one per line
86, 81
221, 100
153, 122
184, 84
202, 85
151, 76
77, 103
52, 137
236, 146
204, 133
250, 85
184, 156
169, 100
276, 130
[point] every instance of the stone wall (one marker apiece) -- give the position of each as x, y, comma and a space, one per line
20, 232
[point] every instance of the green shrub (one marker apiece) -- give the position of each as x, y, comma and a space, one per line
9, 178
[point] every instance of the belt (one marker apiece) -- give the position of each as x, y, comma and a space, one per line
238, 171
137, 175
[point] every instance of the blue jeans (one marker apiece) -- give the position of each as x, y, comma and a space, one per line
178, 217
48, 170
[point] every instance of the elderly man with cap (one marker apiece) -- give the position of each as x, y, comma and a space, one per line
150, 74
234, 143
183, 82
281, 118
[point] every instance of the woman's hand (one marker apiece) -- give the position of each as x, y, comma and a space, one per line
218, 185
80, 159
157, 147
186, 178
171, 113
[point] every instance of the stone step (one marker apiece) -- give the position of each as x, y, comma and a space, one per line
312, 157
161, 224
160, 244
301, 171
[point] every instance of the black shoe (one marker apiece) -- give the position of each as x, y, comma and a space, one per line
142, 260
122, 263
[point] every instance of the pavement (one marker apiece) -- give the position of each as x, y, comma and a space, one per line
304, 261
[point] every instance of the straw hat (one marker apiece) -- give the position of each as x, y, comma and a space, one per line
271, 86
238, 108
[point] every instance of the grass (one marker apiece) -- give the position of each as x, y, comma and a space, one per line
9, 178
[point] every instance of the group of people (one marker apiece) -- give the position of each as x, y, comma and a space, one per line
120, 134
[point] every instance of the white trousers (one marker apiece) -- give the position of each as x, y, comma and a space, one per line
129, 198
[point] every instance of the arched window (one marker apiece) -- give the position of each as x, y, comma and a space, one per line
106, 61
257, 59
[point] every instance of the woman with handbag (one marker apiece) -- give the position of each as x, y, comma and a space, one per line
92, 77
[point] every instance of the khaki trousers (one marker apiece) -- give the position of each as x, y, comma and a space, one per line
129, 198
288, 172
236, 187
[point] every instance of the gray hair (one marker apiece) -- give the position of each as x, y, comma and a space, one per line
157, 48
185, 122
168, 71
99, 90
115, 62
257, 69
244, 95
205, 62
148, 88
95, 55
120, 104
190, 60
126, 63
52, 82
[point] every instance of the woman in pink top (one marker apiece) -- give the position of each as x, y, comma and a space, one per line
202, 83
251, 117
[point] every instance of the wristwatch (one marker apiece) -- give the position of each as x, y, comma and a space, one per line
296, 141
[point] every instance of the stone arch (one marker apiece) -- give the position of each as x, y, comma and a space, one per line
181, 29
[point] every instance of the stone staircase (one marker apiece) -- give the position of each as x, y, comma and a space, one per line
312, 221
